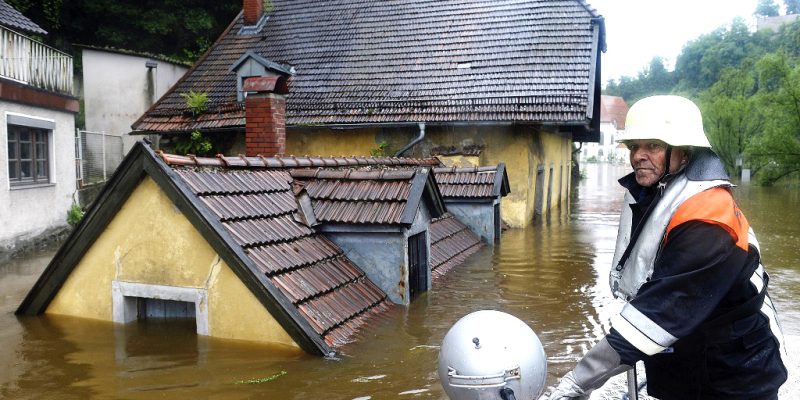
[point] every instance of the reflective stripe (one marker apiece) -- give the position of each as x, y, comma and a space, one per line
646, 325
767, 308
635, 337
757, 279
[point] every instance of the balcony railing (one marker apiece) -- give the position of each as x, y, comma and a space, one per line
27, 61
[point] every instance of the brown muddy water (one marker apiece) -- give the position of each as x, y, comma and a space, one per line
551, 275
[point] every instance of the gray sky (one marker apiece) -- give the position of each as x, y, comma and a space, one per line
638, 30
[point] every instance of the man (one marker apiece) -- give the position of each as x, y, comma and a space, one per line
688, 265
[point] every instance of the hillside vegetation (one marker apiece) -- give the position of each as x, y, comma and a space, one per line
748, 86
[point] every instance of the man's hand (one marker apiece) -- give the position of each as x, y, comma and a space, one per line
568, 389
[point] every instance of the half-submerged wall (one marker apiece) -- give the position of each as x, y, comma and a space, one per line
151, 250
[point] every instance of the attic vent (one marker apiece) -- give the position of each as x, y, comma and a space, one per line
464, 65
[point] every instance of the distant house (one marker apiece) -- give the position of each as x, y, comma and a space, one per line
775, 22
613, 111
519, 79
37, 130
119, 85
299, 252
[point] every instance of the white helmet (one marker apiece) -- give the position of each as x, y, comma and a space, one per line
488, 351
674, 120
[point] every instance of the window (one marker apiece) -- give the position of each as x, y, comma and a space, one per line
28, 155
418, 258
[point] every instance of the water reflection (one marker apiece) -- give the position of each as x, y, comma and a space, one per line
552, 276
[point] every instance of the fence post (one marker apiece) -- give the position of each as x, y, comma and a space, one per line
103, 136
78, 157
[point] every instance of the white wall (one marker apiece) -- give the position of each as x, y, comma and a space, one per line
115, 90
27, 212
608, 144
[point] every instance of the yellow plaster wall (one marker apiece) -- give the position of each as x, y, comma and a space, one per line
149, 241
522, 149
329, 142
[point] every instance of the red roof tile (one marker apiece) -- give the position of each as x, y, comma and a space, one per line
451, 243
257, 206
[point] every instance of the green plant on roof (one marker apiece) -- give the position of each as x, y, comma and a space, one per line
193, 143
267, 6
196, 101
74, 214
381, 151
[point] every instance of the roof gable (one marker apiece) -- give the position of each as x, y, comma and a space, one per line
613, 109
409, 61
473, 182
381, 196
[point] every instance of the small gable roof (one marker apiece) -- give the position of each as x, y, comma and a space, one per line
11, 18
409, 61
489, 182
380, 196
247, 215
613, 109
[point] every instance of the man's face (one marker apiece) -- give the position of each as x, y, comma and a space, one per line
648, 160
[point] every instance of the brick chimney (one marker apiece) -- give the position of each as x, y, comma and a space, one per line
265, 115
253, 9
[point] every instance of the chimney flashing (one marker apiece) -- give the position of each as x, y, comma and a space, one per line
249, 30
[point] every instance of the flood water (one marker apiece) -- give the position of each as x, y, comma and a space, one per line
551, 275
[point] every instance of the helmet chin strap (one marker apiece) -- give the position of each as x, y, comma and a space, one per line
666, 176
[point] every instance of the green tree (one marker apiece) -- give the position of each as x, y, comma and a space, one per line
179, 29
775, 153
767, 8
731, 115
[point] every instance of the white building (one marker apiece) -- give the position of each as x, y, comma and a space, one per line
37, 125
119, 86
613, 111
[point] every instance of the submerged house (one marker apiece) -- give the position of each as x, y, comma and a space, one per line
381, 219
519, 79
473, 195
267, 249
37, 130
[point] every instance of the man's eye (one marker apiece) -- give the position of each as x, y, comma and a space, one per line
653, 146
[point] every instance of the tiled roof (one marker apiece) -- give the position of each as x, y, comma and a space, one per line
357, 197
472, 182
297, 162
257, 208
451, 243
11, 18
373, 62
613, 109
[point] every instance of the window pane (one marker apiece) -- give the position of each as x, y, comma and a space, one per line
26, 170
41, 136
25, 150
41, 169
24, 135
12, 133
12, 150
12, 170
41, 151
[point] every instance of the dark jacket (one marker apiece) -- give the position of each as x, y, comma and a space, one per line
700, 292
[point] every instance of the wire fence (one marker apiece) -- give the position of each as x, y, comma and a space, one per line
98, 154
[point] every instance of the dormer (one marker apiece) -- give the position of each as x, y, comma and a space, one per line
251, 65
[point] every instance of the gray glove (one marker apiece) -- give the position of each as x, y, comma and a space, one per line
593, 370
